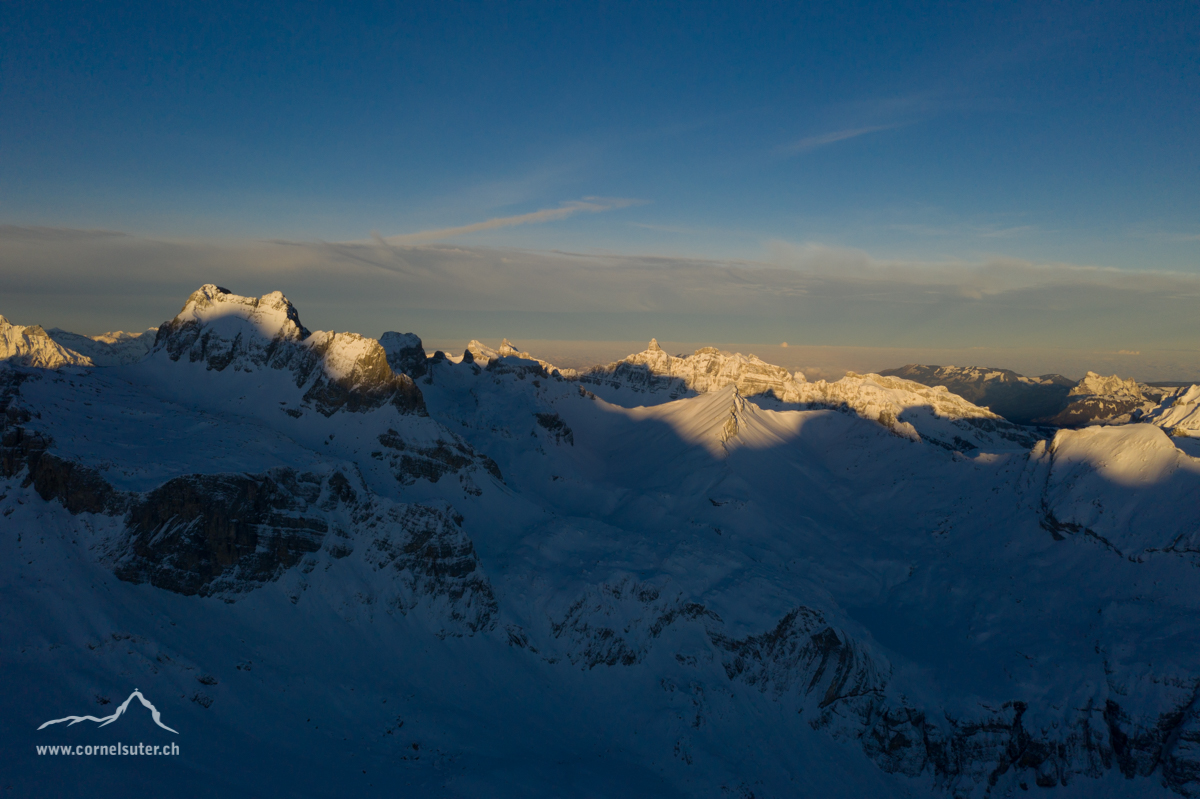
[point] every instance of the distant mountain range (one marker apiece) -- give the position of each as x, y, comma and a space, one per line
479, 574
1057, 401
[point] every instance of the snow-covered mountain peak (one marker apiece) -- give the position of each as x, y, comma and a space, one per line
31, 346
1178, 412
405, 353
272, 315
344, 352
335, 371
1130, 455
1112, 387
480, 353
399, 341
1097, 399
509, 357
955, 376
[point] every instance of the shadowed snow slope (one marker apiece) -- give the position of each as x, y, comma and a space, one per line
686, 577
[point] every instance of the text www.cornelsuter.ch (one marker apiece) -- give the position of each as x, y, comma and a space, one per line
109, 749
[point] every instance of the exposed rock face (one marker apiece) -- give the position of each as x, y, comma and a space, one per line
108, 349
338, 371
31, 346
24, 450
205, 534
842, 687
405, 354
617, 622
804, 653
349, 372
554, 424
410, 462
1017, 398
1106, 400
226, 535
436, 565
1001, 748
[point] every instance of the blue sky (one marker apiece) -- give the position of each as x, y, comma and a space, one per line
907, 134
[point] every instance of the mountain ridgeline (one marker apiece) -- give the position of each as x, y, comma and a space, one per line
696, 575
1051, 400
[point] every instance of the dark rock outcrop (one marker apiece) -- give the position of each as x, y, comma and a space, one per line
554, 424
23, 450
201, 534
411, 462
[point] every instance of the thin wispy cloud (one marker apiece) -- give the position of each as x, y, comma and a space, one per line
1007, 232
589, 205
662, 228
964, 231
813, 142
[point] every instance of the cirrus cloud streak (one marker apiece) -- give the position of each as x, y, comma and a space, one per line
589, 205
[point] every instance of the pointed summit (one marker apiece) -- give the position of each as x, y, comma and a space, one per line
270, 317
653, 346
30, 346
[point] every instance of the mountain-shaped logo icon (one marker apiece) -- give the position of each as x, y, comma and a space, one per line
116, 715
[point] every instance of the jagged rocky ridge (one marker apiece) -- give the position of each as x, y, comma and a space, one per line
759, 560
